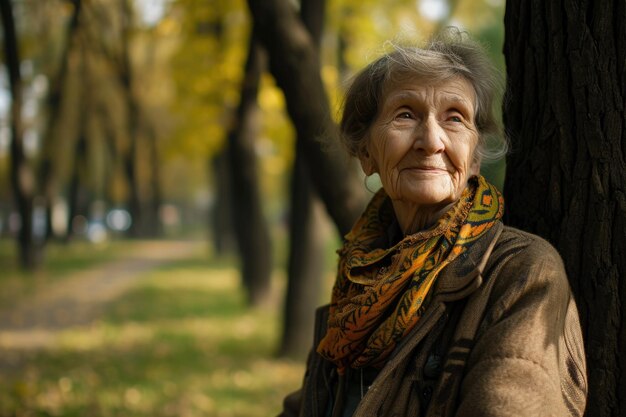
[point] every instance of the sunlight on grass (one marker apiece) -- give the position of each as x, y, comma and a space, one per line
60, 261
182, 343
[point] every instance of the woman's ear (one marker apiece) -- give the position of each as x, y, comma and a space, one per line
367, 162
474, 168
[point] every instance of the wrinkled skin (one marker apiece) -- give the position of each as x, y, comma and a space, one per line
422, 144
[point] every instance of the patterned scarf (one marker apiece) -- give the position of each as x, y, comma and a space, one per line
379, 293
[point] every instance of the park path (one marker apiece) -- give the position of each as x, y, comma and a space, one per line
79, 299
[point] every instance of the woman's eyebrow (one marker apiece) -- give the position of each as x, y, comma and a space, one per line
455, 98
401, 96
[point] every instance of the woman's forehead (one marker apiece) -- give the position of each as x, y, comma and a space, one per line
455, 89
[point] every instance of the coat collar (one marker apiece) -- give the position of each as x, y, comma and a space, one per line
464, 275
458, 280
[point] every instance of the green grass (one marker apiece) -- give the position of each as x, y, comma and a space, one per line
60, 260
182, 343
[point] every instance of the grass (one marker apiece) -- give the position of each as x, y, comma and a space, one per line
59, 261
60, 258
182, 343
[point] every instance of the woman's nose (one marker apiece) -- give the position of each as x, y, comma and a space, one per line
429, 137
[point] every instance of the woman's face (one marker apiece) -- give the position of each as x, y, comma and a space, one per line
423, 140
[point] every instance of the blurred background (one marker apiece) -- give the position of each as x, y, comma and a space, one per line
162, 242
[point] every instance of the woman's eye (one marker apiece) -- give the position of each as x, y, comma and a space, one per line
404, 115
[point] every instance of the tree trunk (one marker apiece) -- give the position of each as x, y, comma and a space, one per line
77, 204
130, 162
120, 59
249, 223
154, 228
75, 198
153, 224
306, 246
106, 125
305, 271
221, 215
47, 173
22, 175
294, 64
566, 176
133, 115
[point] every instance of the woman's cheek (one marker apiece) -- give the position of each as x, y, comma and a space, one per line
391, 183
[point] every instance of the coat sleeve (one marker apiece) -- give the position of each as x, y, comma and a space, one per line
528, 357
299, 402
292, 404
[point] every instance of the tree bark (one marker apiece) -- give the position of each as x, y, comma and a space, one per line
251, 230
221, 214
306, 246
105, 123
21, 172
154, 227
77, 204
566, 177
126, 77
294, 64
120, 59
305, 270
47, 173
76, 201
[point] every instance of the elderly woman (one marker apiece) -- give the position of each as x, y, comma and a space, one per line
438, 309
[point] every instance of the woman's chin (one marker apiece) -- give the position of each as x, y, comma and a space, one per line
431, 193
430, 200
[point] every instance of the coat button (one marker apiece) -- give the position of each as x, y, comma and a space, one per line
427, 393
432, 369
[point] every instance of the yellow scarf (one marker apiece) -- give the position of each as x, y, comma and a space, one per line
379, 293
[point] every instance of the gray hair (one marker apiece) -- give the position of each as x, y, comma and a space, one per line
448, 55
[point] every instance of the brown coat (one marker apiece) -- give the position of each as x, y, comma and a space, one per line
503, 316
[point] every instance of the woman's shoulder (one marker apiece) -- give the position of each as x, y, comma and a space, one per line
525, 246
523, 263
527, 274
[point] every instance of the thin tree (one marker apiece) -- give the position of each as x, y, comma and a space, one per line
47, 173
77, 204
306, 244
119, 57
221, 219
251, 232
22, 176
566, 176
153, 226
113, 157
293, 61
221, 214
153, 223
127, 81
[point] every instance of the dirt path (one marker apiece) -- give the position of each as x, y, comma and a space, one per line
80, 298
